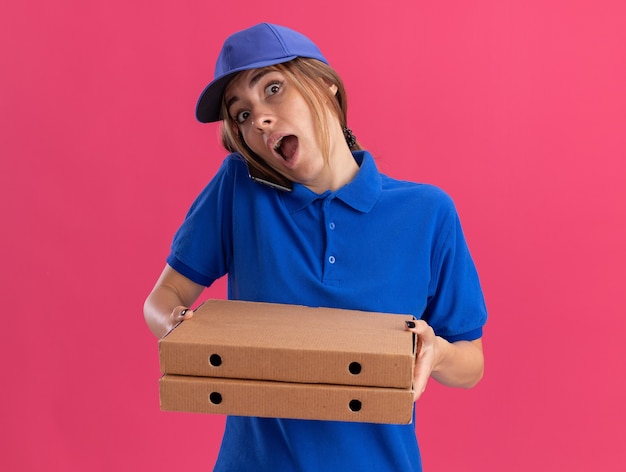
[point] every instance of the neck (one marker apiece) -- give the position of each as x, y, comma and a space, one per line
339, 170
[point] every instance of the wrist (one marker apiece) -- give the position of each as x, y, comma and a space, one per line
443, 352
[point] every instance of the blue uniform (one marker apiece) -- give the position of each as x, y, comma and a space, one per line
376, 244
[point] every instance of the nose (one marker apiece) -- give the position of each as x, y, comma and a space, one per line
262, 118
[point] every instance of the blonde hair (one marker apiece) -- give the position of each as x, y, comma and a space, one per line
312, 78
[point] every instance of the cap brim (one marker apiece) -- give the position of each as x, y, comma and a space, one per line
208, 108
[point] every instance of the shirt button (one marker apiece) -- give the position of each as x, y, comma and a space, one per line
331, 259
331, 225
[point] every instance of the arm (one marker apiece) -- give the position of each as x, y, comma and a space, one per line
458, 364
173, 293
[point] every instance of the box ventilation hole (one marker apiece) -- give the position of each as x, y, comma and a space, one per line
215, 360
355, 405
215, 398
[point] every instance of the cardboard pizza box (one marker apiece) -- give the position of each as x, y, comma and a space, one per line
291, 343
285, 400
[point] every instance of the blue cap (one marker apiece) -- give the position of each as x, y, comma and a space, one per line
259, 46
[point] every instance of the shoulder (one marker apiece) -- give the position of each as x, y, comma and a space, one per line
416, 194
233, 165
220, 188
232, 170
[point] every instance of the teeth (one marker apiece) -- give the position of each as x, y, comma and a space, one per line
277, 144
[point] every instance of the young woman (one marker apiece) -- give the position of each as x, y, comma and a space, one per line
298, 213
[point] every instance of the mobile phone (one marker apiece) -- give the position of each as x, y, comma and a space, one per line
268, 177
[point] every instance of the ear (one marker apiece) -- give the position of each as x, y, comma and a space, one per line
333, 88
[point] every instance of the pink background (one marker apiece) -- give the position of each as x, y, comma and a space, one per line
516, 108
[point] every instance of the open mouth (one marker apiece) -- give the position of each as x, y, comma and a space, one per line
286, 147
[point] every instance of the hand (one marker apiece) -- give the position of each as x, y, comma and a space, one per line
172, 294
426, 357
180, 314
458, 364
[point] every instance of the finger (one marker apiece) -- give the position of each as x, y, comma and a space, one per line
185, 314
417, 326
181, 313
422, 370
420, 380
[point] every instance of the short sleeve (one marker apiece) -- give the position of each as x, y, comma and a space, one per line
202, 246
456, 307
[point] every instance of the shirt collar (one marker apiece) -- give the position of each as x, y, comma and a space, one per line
361, 193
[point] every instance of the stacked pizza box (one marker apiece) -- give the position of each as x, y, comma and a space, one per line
288, 361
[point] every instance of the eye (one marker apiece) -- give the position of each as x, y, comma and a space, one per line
242, 116
273, 88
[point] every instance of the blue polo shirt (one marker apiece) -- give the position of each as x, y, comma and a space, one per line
376, 244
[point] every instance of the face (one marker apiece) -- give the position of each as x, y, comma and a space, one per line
277, 123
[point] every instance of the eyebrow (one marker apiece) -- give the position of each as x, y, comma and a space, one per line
253, 81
